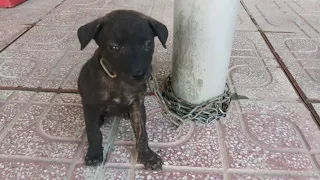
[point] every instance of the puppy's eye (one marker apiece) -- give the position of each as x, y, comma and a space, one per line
148, 44
114, 47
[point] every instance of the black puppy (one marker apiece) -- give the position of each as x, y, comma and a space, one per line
113, 81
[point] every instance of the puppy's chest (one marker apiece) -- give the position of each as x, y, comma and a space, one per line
118, 98
117, 104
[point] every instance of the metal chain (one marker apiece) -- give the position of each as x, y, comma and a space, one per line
183, 111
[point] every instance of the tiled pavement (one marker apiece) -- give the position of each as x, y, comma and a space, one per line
270, 134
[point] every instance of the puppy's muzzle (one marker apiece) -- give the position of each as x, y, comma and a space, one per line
138, 75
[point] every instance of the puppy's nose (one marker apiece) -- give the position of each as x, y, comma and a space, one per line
138, 74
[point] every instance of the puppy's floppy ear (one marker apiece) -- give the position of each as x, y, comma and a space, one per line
87, 32
159, 30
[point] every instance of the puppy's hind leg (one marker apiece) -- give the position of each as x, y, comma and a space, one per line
138, 121
92, 121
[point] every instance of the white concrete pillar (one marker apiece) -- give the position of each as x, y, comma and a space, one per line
203, 37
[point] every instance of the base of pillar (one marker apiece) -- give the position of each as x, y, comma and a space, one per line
184, 111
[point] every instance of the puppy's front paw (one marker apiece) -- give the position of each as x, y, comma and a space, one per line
151, 160
93, 159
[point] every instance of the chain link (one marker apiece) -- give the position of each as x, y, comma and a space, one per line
183, 111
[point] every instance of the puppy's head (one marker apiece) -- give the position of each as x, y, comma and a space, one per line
126, 41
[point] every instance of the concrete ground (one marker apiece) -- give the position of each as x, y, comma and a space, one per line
269, 133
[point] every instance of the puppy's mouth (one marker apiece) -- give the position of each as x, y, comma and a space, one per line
138, 80
139, 77
142, 76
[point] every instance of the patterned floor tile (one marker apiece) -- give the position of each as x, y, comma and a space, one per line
270, 135
198, 149
132, 3
250, 44
120, 154
300, 54
32, 170
43, 135
201, 150
293, 115
165, 132
41, 4
115, 173
305, 7
318, 158
317, 107
307, 13
91, 173
50, 38
33, 127
24, 14
71, 18
254, 73
147, 175
244, 154
257, 177
83, 172
281, 16
244, 21
261, 83
71, 5
105, 5
40, 68
8, 33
